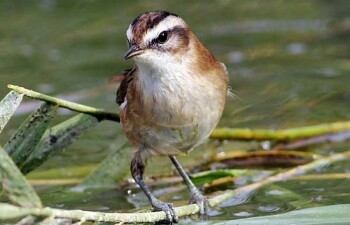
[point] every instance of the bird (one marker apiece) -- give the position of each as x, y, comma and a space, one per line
171, 100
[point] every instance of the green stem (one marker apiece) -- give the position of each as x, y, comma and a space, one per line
99, 113
283, 134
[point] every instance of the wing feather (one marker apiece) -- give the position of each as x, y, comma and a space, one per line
123, 88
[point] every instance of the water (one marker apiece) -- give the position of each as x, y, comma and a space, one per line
289, 65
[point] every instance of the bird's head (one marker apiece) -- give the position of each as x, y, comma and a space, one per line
154, 37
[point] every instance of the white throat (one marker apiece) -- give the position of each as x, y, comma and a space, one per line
164, 76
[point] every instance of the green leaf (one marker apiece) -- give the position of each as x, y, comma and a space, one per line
15, 185
29, 134
57, 138
333, 214
8, 106
111, 170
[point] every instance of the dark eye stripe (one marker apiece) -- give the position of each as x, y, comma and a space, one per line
181, 32
175, 30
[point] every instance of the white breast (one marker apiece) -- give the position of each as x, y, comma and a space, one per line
184, 106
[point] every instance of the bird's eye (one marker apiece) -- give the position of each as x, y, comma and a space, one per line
163, 37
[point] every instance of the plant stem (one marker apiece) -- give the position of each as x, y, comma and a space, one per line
280, 135
99, 113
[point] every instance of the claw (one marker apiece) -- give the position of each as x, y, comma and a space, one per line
169, 210
201, 201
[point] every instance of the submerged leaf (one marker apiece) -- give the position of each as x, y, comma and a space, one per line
57, 138
14, 184
111, 170
67, 172
263, 159
8, 106
29, 134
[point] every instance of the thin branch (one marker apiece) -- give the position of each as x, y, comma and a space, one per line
182, 210
99, 113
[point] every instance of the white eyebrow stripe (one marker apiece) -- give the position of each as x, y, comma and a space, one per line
129, 34
167, 24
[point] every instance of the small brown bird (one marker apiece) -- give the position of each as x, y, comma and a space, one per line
172, 99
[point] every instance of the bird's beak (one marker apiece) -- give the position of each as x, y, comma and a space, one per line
133, 50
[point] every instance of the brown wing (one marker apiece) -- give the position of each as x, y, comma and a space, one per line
123, 88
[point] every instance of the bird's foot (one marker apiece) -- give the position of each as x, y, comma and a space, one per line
201, 201
169, 210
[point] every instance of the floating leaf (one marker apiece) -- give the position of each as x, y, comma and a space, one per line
15, 185
333, 214
111, 170
29, 134
57, 138
8, 106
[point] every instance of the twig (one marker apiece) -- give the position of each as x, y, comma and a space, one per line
280, 135
99, 113
182, 210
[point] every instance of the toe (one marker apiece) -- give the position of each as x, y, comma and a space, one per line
169, 210
175, 218
171, 215
202, 203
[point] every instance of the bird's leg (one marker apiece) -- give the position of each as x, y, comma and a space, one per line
197, 197
137, 168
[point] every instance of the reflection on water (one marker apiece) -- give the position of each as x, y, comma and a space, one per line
289, 64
